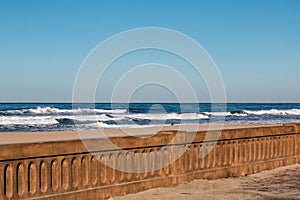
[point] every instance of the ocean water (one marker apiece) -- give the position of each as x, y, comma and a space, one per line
66, 116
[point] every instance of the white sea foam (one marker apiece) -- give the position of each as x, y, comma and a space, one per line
245, 113
101, 118
165, 116
274, 112
217, 113
93, 118
140, 116
21, 120
224, 114
105, 118
50, 110
107, 126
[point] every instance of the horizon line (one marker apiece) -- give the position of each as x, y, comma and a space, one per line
104, 102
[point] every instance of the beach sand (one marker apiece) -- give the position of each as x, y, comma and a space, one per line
37, 137
281, 183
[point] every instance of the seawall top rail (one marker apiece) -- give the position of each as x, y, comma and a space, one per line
43, 144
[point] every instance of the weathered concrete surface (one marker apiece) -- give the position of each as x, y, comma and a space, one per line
281, 183
36, 137
59, 165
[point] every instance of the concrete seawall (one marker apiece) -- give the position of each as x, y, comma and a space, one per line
64, 168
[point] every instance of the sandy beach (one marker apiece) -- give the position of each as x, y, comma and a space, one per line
281, 183
36, 137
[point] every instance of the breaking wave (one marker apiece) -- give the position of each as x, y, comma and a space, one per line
28, 120
50, 118
274, 112
51, 111
244, 113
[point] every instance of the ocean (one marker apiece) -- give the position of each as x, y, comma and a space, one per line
68, 116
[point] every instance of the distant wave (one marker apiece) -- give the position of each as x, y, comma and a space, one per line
244, 113
28, 120
224, 114
115, 118
165, 116
107, 126
274, 112
137, 117
51, 111
88, 118
109, 113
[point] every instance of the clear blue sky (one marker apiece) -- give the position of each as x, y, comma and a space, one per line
255, 44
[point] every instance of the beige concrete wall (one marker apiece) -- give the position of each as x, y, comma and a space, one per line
66, 169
